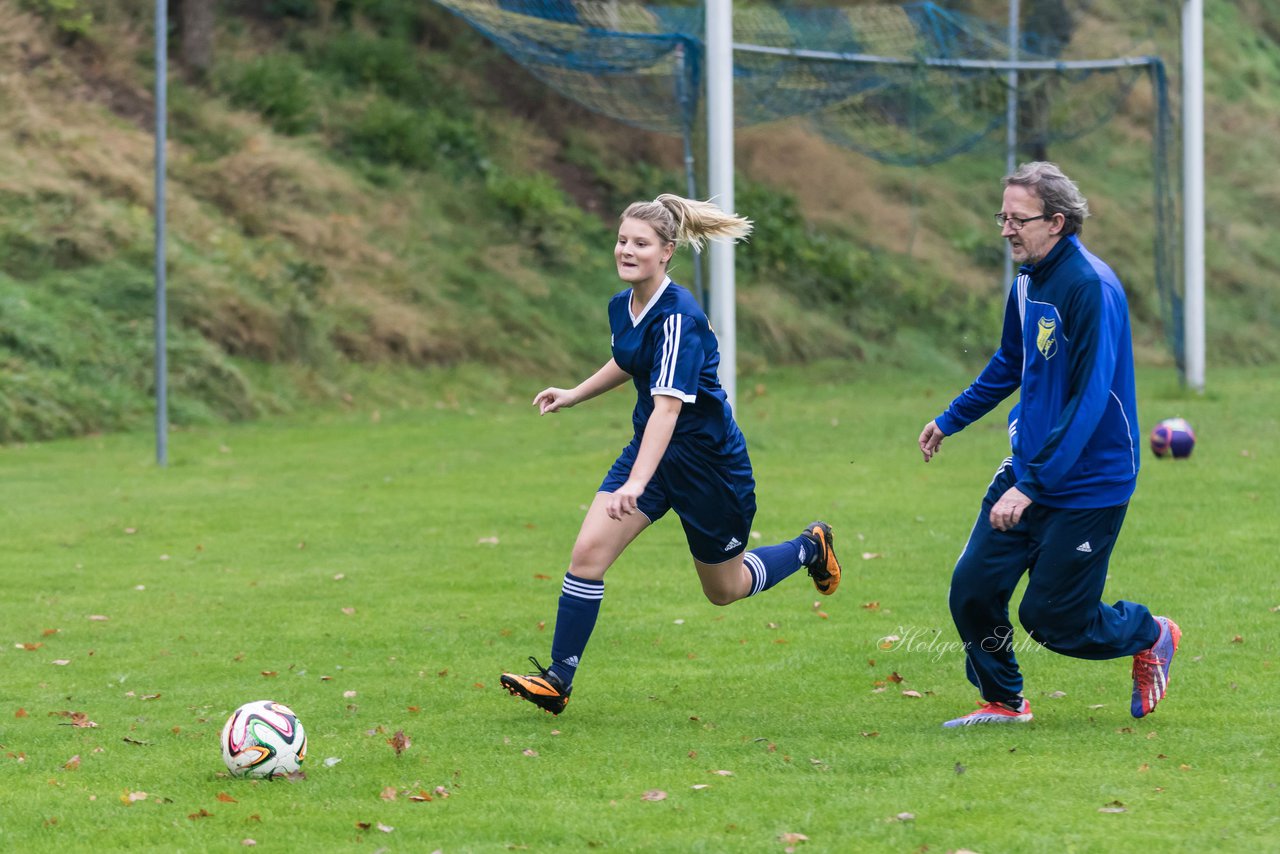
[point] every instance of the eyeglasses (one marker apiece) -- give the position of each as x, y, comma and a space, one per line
1017, 222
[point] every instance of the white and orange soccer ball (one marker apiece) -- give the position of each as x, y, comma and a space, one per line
263, 739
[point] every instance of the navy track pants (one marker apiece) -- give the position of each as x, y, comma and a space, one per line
1066, 552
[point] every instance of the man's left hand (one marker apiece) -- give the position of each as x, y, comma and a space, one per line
1008, 511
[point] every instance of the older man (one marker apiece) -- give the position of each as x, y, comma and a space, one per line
1055, 507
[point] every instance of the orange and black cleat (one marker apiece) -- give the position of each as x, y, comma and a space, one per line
543, 689
824, 569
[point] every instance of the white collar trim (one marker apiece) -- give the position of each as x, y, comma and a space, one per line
636, 318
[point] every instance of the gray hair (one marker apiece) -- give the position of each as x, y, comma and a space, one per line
1059, 193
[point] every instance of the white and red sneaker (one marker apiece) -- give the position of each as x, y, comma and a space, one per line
995, 713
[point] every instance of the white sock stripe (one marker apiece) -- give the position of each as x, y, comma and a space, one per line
582, 590
758, 573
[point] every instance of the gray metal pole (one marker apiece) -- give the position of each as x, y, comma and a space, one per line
1193, 192
162, 392
720, 182
1011, 118
690, 171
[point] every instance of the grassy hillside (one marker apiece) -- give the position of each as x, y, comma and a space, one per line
363, 189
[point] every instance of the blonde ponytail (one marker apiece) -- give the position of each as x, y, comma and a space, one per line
688, 221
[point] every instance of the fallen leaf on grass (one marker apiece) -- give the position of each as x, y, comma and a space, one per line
400, 742
915, 694
73, 763
1057, 695
385, 828
132, 797
698, 787
792, 838
270, 673
204, 813
487, 541
98, 618
29, 647
1113, 807
905, 816
870, 734
721, 773
529, 751
61, 662
894, 677
388, 794
888, 641
331, 761
871, 555
21, 713
226, 799
248, 843
654, 795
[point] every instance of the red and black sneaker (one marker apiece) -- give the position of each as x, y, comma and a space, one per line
823, 567
544, 689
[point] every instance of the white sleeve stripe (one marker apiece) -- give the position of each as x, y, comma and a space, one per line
673, 392
670, 349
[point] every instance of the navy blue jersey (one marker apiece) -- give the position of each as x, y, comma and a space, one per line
669, 348
1067, 345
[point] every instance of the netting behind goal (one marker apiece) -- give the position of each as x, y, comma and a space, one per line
910, 85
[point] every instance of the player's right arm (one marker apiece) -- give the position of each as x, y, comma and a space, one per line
999, 379
609, 377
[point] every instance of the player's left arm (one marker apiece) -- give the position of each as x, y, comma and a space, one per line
1094, 323
657, 436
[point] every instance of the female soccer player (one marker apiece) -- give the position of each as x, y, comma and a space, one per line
687, 455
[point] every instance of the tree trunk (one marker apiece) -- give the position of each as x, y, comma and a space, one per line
195, 20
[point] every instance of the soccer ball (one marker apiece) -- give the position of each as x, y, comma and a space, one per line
1173, 437
263, 739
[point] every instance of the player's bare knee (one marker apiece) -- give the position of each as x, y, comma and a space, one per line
720, 597
587, 562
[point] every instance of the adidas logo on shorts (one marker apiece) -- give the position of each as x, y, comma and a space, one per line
733, 543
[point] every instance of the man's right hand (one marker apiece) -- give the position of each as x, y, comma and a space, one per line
930, 438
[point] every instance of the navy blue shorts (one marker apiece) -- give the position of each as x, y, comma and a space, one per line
714, 496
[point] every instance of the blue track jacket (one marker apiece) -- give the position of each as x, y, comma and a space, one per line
1067, 344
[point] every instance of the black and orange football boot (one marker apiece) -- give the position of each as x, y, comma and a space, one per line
544, 689
823, 567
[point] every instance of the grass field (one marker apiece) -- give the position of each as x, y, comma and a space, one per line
378, 570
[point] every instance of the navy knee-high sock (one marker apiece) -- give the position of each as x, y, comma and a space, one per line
771, 564
575, 620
